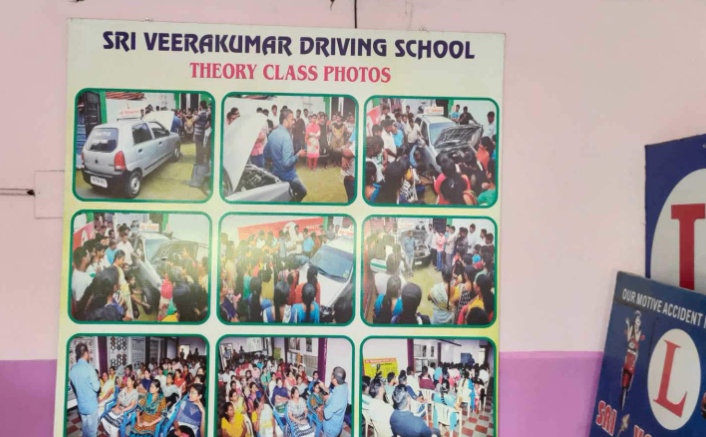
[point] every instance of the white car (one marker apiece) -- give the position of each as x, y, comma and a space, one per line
335, 261
443, 136
118, 155
241, 181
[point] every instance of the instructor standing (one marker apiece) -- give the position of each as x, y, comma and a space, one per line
280, 150
85, 384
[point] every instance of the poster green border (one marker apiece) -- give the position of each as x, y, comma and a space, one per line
353, 390
300, 214
71, 264
495, 276
427, 337
116, 200
138, 334
497, 163
296, 204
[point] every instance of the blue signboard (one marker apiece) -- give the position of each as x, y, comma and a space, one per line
675, 207
651, 381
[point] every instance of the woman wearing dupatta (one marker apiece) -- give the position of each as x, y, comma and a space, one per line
151, 410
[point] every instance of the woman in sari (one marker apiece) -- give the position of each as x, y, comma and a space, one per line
297, 415
151, 410
313, 131
127, 399
192, 412
316, 401
106, 393
444, 296
291, 380
280, 396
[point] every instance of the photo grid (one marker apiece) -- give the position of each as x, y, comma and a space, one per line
131, 266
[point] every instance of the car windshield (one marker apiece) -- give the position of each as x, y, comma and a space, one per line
152, 245
102, 140
333, 263
436, 129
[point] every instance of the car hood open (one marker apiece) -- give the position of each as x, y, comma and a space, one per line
468, 134
238, 140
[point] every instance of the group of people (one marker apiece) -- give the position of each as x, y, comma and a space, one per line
399, 167
465, 294
261, 393
285, 138
260, 278
172, 394
398, 405
105, 285
195, 124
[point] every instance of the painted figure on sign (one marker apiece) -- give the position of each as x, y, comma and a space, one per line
634, 335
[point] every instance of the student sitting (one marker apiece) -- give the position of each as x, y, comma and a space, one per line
403, 422
445, 399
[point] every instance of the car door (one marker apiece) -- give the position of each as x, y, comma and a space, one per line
164, 147
144, 148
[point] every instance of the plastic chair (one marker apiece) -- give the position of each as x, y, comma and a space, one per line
248, 426
163, 427
279, 420
428, 395
314, 418
368, 422
111, 403
443, 416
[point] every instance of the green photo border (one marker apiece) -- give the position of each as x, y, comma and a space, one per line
296, 204
299, 214
71, 266
117, 200
497, 162
430, 337
495, 275
352, 384
139, 334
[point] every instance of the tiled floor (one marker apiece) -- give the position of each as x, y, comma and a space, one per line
73, 425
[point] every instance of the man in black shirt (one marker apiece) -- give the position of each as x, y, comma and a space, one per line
403, 422
298, 132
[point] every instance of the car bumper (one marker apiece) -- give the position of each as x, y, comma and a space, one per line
111, 181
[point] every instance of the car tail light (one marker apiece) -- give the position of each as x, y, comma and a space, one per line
83, 158
119, 162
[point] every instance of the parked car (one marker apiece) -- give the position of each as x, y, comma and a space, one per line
334, 260
117, 156
443, 136
244, 182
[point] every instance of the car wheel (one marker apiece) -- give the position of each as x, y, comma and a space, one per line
176, 155
133, 185
226, 186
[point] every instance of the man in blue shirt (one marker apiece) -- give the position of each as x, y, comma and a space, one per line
280, 150
177, 124
455, 114
85, 384
403, 422
335, 408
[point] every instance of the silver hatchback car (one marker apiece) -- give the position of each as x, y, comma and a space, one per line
118, 155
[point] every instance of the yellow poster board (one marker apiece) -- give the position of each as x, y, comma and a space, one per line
379, 366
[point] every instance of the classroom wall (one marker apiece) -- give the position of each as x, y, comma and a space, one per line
387, 348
